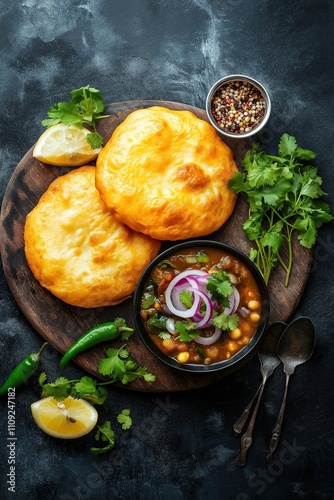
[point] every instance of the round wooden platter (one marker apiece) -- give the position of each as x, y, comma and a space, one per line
61, 324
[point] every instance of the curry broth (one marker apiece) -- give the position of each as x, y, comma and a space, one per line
230, 342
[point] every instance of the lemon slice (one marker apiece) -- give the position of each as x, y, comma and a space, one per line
67, 419
64, 146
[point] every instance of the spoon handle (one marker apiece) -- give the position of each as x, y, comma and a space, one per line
239, 424
278, 426
246, 438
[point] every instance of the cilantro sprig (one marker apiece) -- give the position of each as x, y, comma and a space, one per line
284, 194
85, 108
118, 366
106, 435
220, 287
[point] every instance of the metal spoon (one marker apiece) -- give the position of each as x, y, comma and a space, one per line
294, 348
269, 361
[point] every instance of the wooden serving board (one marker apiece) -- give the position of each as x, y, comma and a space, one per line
61, 324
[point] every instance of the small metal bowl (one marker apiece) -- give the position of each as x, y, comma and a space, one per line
238, 359
261, 96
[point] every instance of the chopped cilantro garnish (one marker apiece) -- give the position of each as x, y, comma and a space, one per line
225, 321
124, 419
186, 330
220, 287
106, 435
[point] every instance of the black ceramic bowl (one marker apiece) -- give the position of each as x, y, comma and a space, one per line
237, 359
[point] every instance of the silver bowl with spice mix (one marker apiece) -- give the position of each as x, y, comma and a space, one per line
238, 106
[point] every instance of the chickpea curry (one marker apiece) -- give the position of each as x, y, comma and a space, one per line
201, 306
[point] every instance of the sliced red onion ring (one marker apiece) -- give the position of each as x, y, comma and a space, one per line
208, 304
209, 340
170, 325
171, 297
244, 312
234, 302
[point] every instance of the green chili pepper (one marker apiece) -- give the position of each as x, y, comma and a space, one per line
23, 371
100, 333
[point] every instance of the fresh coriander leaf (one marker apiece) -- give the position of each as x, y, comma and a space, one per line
124, 419
59, 389
287, 145
253, 226
311, 187
185, 298
219, 285
123, 329
86, 385
42, 378
274, 237
95, 140
157, 321
226, 322
307, 238
113, 366
104, 434
147, 376
98, 397
186, 330
164, 335
139, 372
238, 183
148, 298
260, 176
305, 154
119, 365
253, 254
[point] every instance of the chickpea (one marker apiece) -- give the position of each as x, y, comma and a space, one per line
196, 358
181, 346
245, 327
254, 317
168, 344
183, 357
244, 340
228, 355
212, 352
253, 305
234, 279
235, 334
232, 346
207, 361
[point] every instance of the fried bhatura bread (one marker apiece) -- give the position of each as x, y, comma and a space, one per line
164, 173
78, 250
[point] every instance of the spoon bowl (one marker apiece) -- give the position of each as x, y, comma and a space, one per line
295, 347
269, 360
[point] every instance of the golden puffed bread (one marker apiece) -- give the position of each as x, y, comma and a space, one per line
78, 250
165, 173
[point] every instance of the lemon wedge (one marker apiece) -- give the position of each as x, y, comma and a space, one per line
64, 146
67, 419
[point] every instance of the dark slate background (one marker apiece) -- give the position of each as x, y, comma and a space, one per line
181, 445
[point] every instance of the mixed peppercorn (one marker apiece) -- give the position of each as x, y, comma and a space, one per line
238, 107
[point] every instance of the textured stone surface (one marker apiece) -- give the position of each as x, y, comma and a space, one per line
181, 445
